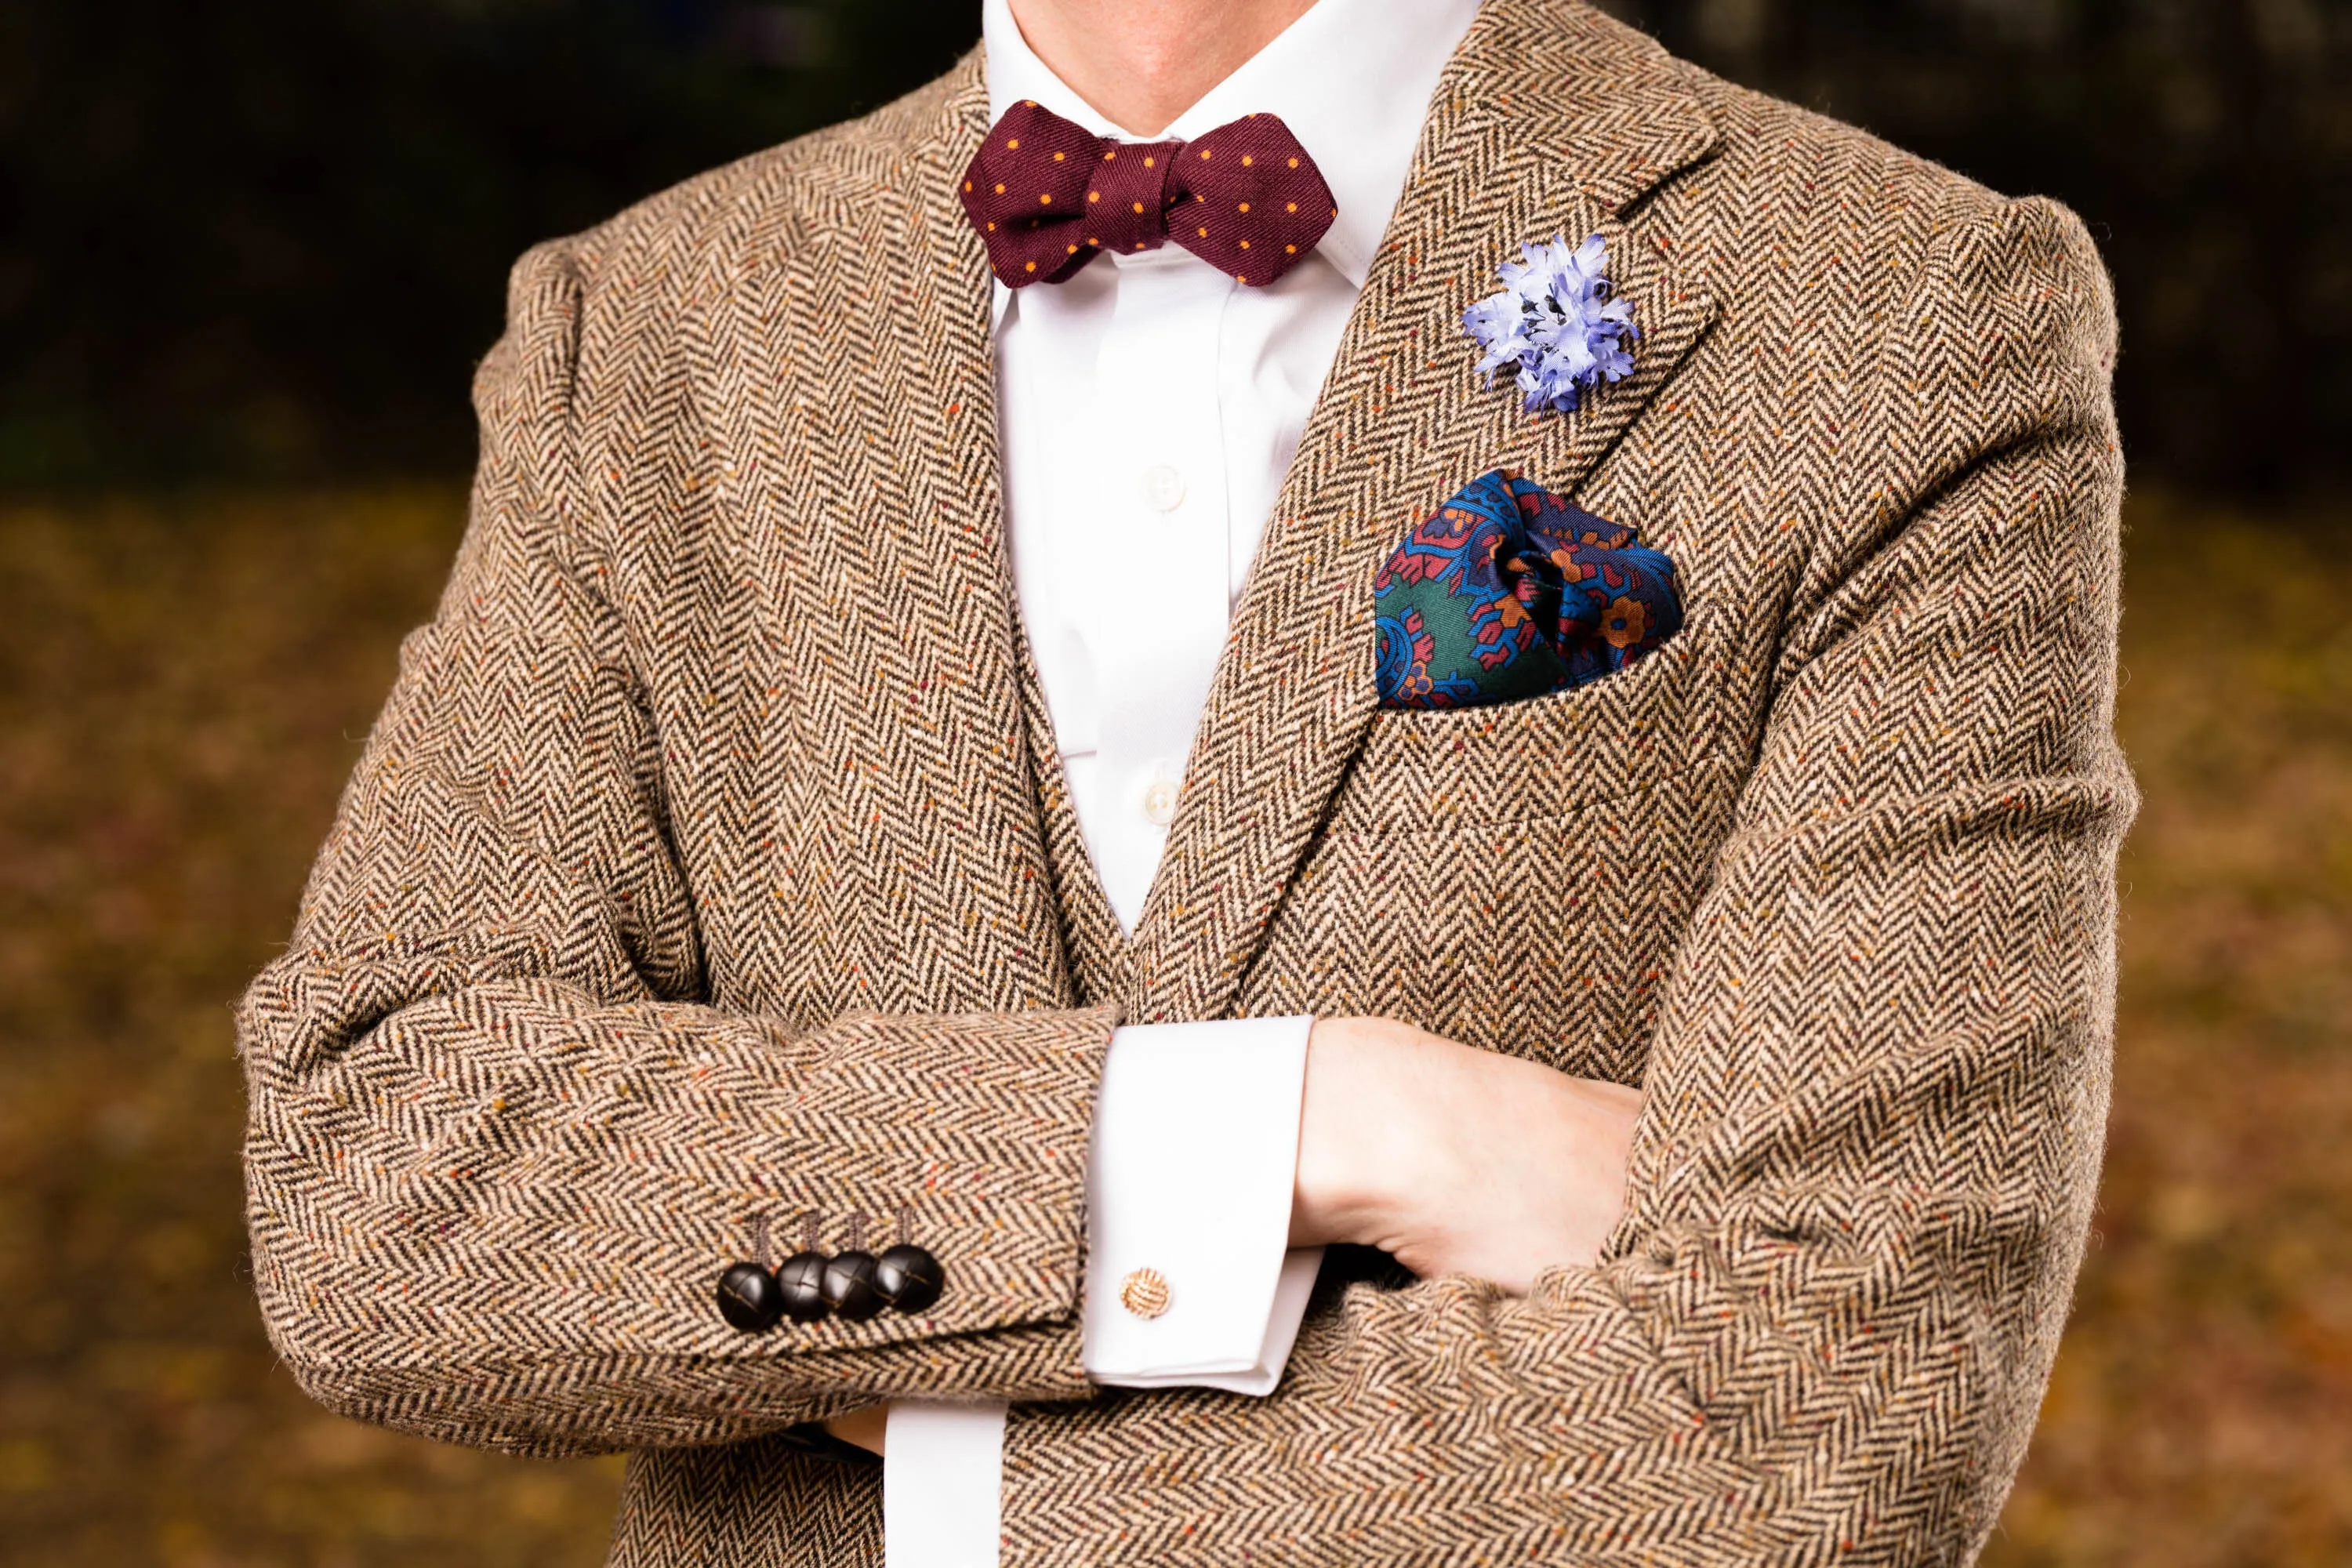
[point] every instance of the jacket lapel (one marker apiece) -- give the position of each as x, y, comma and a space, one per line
855, 403
1101, 960
1402, 423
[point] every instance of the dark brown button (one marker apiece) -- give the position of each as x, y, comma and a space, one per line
909, 1277
749, 1299
800, 1279
849, 1286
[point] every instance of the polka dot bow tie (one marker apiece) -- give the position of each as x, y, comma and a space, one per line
1046, 194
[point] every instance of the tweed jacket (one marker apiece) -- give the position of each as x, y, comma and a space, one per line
711, 863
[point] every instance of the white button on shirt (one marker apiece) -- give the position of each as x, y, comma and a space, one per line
1149, 410
1159, 802
1163, 488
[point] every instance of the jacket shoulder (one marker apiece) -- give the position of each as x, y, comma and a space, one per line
1782, 156
760, 209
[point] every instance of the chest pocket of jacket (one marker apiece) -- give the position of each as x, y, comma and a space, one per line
1517, 877
1544, 757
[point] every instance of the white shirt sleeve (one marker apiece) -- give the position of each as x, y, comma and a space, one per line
943, 1485
1189, 1178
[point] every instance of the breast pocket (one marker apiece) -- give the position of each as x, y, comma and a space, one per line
1517, 876
1546, 756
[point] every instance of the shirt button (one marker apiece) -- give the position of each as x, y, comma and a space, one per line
1160, 802
1163, 488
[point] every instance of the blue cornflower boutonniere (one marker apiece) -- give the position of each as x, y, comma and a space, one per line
1559, 320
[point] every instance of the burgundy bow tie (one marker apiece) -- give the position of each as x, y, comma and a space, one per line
1046, 194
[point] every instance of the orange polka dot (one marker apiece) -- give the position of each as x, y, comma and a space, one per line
1074, 250
1245, 245
1045, 201
1293, 162
1239, 278
1014, 143
1000, 190
1057, 157
1247, 159
1293, 206
1033, 266
1204, 234
1246, 206
1139, 207
1139, 245
1147, 163
1290, 249
967, 185
1093, 196
1108, 156
1204, 154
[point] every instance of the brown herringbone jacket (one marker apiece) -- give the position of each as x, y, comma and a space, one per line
711, 861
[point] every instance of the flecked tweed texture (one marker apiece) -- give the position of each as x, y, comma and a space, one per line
710, 862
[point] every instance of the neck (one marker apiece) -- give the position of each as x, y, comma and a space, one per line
1142, 63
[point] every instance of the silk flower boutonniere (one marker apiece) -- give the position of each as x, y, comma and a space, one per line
1560, 320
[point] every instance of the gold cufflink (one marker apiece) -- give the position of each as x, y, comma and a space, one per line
1144, 1292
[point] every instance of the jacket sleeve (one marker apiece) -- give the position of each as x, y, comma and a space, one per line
499, 1152
1875, 1099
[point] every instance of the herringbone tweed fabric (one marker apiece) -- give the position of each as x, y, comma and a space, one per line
709, 862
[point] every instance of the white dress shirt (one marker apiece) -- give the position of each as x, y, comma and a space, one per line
1149, 409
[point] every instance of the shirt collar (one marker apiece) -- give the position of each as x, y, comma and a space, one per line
1353, 79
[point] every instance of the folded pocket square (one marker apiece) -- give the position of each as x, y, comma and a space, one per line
1506, 592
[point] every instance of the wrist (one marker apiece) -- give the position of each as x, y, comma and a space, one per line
1351, 1154
866, 1427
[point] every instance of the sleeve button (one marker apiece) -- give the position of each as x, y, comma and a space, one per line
909, 1277
849, 1286
749, 1298
800, 1281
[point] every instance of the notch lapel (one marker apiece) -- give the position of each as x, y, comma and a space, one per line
850, 383
1401, 423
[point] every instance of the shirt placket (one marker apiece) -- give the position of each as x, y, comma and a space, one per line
1156, 619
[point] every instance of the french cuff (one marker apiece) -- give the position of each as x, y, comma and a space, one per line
1190, 1281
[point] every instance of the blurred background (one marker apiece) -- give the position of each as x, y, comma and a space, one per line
249, 256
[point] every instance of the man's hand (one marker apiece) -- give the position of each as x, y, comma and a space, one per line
1454, 1160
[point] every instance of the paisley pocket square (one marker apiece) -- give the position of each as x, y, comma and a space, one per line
1508, 591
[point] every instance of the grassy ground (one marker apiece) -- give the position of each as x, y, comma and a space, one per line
183, 686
